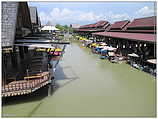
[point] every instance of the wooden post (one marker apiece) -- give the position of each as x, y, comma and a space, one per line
26, 50
13, 58
21, 51
50, 85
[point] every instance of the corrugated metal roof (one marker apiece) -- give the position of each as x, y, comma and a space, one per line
130, 36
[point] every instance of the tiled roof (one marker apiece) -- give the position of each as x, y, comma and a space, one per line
87, 26
24, 14
141, 31
130, 36
33, 14
9, 18
143, 22
101, 23
119, 25
90, 30
95, 25
39, 21
15, 16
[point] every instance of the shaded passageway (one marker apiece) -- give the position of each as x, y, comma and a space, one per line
89, 86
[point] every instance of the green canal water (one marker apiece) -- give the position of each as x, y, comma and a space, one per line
89, 86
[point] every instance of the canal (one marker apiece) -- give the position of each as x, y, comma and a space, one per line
89, 86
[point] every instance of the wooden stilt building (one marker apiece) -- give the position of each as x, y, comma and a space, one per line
23, 69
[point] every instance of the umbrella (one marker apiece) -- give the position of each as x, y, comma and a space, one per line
95, 45
153, 61
85, 39
111, 53
89, 41
103, 44
133, 55
58, 50
105, 48
111, 48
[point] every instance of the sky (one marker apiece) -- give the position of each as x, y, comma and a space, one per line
66, 13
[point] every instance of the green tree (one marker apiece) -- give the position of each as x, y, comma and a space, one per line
64, 28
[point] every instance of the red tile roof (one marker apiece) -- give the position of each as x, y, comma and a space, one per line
87, 26
101, 23
130, 36
143, 22
90, 30
119, 24
108, 28
141, 31
98, 24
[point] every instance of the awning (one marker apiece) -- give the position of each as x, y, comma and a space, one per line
130, 36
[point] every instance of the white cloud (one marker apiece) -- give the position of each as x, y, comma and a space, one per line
116, 17
60, 15
57, 15
145, 11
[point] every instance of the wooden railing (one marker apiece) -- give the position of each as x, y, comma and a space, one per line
29, 84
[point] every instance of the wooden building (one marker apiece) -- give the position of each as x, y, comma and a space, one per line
23, 70
133, 37
138, 36
35, 20
15, 24
87, 30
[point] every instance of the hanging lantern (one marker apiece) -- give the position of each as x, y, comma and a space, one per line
136, 45
140, 45
123, 46
145, 44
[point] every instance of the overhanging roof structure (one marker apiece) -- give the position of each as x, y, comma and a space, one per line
119, 25
130, 36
